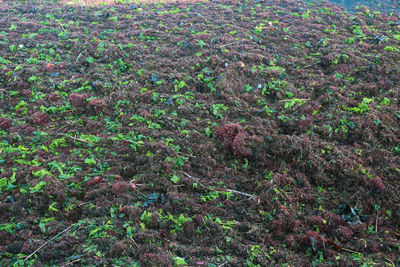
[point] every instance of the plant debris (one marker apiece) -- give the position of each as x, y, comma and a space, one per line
220, 133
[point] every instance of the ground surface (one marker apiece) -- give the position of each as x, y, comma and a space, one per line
200, 134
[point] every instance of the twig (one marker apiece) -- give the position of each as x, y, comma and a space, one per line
311, 64
133, 240
302, 99
39, 248
241, 193
71, 262
62, 26
391, 262
221, 189
352, 251
396, 234
78, 57
77, 139
221, 46
186, 155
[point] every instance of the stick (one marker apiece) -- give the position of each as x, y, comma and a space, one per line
62, 26
391, 262
240, 193
221, 46
353, 251
312, 64
71, 262
396, 234
60, 233
77, 139
302, 99
223, 189
134, 242
78, 57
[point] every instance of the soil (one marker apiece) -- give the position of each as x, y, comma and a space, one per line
220, 133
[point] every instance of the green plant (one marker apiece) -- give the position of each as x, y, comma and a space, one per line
7, 184
362, 107
218, 109
292, 102
38, 187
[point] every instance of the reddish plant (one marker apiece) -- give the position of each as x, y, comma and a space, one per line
234, 137
151, 259
5, 123
97, 104
53, 97
40, 118
344, 233
120, 187
376, 184
77, 100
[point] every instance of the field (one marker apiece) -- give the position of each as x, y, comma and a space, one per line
219, 133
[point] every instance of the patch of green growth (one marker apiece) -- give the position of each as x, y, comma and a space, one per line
362, 107
218, 110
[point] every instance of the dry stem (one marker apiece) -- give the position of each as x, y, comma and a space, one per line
39, 248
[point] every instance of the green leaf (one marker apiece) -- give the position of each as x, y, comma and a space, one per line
181, 84
3, 183
38, 187
175, 178
90, 161
179, 261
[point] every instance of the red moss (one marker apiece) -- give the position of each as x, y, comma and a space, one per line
77, 100
27, 93
333, 220
6, 238
233, 136
312, 239
227, 133
5, 123
344, 233
290, 240
166, 167
295, 226
50, 67
22, 86
238, 145
94, 181
40, 118
278, 227
118, 249
359, 229
317, 221
54, 97
97, 104
151, 259
120, 187
144, 113
376, 184
372, 247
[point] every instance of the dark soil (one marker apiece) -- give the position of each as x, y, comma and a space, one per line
226, 133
